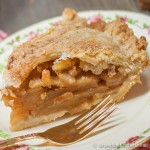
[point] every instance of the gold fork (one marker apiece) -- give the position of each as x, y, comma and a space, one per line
72, 131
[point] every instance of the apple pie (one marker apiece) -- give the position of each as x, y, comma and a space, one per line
71, 68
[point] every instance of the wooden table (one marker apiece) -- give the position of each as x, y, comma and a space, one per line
18, 14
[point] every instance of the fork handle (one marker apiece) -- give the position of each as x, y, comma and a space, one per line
13, 141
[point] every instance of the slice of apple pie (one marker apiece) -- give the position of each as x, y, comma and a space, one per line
71, 68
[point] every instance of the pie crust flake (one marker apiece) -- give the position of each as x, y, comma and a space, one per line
71, 68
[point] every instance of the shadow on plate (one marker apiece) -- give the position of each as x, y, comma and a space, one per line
138, 89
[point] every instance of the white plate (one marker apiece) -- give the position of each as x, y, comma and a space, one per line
133, 116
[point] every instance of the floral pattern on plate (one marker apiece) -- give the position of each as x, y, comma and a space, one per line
20, 38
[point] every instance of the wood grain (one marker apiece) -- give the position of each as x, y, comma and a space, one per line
18, 14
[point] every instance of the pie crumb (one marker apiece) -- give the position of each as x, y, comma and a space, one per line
43, 95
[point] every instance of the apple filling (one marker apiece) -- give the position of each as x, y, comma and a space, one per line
62, 85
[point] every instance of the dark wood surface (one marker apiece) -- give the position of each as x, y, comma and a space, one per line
18, 14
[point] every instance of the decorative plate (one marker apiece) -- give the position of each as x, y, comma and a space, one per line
132, 120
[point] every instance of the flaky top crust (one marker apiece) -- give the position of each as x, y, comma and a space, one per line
112, 42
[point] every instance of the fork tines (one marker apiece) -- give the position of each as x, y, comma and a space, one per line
94, 117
